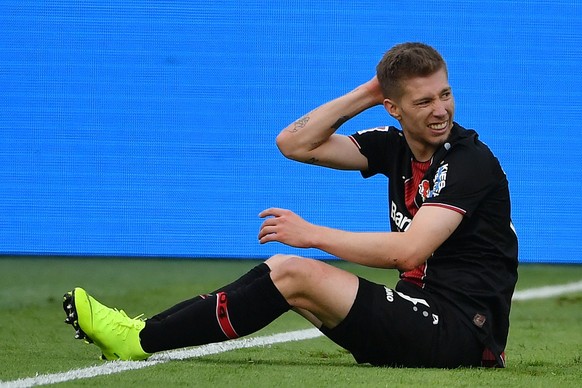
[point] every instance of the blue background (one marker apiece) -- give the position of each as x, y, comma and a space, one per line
147, 128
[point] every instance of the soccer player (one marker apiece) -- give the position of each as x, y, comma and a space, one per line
451, 240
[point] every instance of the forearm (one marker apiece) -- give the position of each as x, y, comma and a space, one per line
316, 127
431, 227
372, 249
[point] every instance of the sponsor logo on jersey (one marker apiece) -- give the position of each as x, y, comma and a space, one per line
439, 183
402, 222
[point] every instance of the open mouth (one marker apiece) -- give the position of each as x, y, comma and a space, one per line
439, 126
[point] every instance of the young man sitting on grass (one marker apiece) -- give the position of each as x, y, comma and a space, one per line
452, 241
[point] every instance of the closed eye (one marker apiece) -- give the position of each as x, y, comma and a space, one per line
446, 94
422, 102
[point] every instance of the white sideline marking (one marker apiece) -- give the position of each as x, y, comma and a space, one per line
547, 291
112, 367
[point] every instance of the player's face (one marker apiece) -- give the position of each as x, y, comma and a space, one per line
425, 112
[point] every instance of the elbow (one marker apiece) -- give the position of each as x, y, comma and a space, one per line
408, 251
410, 259
289, 148
406, 265
283, 144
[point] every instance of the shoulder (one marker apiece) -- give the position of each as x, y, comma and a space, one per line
467, 147
379, 132
378, 138
381, 146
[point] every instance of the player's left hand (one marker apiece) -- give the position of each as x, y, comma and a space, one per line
286, 227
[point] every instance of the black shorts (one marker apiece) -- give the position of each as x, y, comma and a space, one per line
407, 328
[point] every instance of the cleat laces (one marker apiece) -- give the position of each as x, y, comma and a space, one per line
122, 325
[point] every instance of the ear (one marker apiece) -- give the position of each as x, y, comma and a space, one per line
392, 108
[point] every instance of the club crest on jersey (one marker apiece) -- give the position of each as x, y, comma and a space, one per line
424, 189
439, 182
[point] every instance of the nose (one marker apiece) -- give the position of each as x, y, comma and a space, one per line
439, 109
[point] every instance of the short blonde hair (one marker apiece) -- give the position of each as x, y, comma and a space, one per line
404, 61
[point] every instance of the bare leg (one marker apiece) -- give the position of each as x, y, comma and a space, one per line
321, 293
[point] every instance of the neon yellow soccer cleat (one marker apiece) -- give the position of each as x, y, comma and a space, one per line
112, 330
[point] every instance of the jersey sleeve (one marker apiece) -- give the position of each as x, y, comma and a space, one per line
463, 179
379, 146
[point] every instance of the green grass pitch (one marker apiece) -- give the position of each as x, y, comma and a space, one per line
544, 349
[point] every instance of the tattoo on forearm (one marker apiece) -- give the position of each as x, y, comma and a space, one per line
339, 122
312, 161
299, 124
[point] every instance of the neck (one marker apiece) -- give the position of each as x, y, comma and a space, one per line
422, 152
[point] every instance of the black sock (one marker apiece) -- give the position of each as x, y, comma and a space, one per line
226, 315
247, 278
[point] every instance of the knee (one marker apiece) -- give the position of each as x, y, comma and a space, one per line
298, 279
294, 271
278, 260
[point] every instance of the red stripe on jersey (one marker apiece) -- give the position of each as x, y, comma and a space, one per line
451, 207
415, 276
411, 189
222, 316
411, 186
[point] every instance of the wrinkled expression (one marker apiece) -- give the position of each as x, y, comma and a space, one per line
425, 111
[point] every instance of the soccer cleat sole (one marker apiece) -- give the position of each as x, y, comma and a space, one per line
72, 317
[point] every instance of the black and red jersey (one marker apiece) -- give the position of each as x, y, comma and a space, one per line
475, 270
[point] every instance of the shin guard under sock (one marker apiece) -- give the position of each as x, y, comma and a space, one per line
247, 278
226, 315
